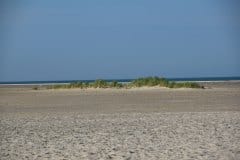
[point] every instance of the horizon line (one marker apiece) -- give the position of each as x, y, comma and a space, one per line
128, 79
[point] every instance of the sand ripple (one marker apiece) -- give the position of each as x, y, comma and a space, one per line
120, 136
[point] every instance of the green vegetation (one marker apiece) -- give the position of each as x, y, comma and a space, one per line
150, 81
115, 84
35, 88
100, 84
140, 82
162, 82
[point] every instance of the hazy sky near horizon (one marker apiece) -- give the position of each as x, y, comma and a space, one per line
90, 39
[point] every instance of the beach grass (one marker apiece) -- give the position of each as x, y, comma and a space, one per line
35, 88
140, 82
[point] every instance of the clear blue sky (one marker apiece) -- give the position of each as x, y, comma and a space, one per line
90, 39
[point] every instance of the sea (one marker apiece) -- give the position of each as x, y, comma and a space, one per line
199, 79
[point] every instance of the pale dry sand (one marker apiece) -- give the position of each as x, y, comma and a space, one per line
146, 123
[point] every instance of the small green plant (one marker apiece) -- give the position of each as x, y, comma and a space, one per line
35, 88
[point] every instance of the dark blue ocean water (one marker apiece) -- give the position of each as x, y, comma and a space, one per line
125, 80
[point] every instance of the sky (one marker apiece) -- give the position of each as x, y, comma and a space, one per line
117, 39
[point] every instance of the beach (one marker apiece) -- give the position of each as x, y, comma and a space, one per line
139, 123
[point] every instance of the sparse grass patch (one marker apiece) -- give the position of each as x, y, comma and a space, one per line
116, 84
156, 81
150, 81
140, 82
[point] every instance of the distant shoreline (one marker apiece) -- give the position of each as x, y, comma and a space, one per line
197, 80
206, 84
47, 84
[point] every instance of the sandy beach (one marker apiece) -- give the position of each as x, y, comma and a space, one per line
141, 123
